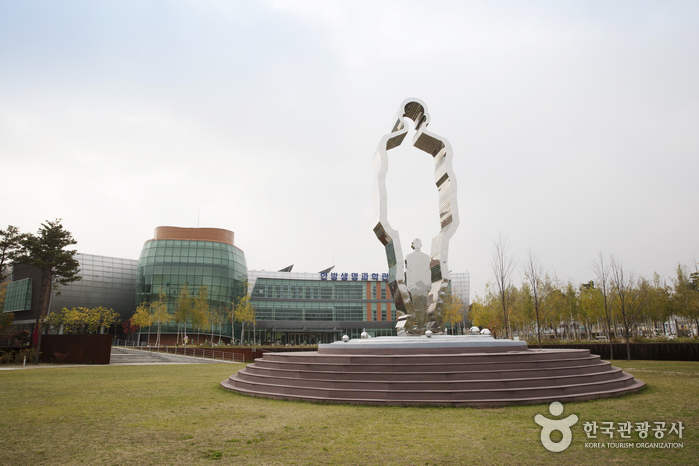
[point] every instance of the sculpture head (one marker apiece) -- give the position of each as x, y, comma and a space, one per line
417, 244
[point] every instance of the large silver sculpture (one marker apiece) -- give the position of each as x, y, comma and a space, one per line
420, 283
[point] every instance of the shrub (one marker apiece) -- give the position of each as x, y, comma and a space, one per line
26, 352
60, 358
22, 336
7, 357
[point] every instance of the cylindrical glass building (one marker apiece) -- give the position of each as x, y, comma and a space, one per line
195, 258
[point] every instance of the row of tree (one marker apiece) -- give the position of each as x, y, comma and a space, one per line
625, 305
83, 320
195, 310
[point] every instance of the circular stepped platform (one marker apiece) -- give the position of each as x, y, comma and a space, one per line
479, 379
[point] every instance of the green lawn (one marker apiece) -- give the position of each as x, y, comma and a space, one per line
179, 415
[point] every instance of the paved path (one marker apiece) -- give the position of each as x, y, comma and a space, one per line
127, 357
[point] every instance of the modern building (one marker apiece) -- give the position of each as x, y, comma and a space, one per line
290, 307
195, 258
320, 307
106, 281
461, 287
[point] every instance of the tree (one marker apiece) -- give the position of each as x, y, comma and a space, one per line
219, 316
143, 317
686, 296
503, 265
106, 318
244, 312
183, 310
484, 312
591, 303
626, 295
603, 285
557, 306
534, 275
659, 306
200, 311
129, 328
6, 319
571, 295
3, 293
10, 244
83, 320
47, 251
452, 310
159, 313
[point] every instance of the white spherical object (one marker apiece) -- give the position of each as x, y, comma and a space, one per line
428, 333
475, 330
485, 331
345, 338
365, 335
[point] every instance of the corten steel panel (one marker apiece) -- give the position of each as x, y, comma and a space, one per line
445, 181
80, 349
216, 235
640, 351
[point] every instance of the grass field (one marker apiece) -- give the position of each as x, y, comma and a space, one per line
178, 414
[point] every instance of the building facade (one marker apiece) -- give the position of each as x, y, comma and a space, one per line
106, 281
320, 307
195, 258
290, 307
461, 287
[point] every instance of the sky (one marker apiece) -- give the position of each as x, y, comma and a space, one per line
574, 125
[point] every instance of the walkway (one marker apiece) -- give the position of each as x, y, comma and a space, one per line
128, 357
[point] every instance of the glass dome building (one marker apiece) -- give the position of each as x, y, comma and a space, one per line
193, 257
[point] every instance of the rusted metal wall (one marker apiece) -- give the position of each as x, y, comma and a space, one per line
639, 351
79, 349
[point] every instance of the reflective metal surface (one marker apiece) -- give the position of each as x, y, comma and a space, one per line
420, 290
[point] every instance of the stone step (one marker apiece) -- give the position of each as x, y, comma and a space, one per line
482, 383
134, 356
443, 394
492, 402
473, 379
445, 374
429, 359
405, 366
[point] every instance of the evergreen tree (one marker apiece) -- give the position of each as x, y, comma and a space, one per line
47, 251
10, 243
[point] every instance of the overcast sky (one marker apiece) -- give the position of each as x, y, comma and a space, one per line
575, 126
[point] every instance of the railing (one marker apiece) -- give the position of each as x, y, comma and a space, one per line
195, 352
7, 342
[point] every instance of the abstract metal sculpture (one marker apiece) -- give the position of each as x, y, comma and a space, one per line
419, 292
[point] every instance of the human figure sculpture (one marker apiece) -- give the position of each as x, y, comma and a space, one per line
419, 282
414, 317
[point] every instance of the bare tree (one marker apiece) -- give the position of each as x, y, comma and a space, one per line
603, 284
626, 295
503, 264
534, 275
